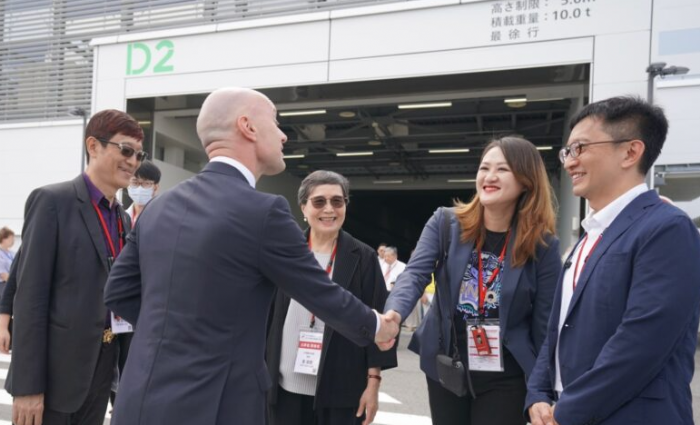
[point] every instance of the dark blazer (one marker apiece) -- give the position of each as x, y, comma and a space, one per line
628, 343
59, 315
526, 295
197, 278
342, 376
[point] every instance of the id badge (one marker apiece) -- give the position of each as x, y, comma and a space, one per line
309, 352
120, 326
484, 348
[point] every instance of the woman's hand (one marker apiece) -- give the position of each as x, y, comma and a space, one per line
369, 402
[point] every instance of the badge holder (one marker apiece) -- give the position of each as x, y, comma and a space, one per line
308, 359
484, 348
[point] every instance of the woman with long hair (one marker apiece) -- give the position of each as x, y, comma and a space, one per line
493, 292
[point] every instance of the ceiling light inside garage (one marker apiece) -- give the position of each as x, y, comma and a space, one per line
461, 181
374, 142
300, 113
544, 148
516, 102
293, 156
347, 114
425, 105
448, 150
387, 181
354, 153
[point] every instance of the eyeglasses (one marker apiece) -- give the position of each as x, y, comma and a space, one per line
146, 184
127, 151
336, 202
575, 149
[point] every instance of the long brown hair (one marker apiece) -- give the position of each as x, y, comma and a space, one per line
534, 213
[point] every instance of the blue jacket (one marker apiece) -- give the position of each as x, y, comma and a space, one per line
526, 295
628, 343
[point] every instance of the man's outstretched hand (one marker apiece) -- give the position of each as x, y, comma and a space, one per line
388, 330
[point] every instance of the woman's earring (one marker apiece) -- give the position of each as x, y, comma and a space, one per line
305, 219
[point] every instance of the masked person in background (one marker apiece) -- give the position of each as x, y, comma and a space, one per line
142, 188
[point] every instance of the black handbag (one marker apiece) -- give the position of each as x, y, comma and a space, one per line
452, 373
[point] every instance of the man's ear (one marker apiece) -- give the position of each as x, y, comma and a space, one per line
155, 189
633, 154
91, 146
245, 126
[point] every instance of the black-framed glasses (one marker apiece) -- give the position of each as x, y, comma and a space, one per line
320, 202
575, 149
146, 184
127, 151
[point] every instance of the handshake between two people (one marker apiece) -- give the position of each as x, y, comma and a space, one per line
389, 326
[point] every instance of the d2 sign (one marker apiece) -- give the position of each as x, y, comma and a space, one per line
139, 57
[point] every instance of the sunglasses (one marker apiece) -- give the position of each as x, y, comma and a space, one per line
320, 202
127, 151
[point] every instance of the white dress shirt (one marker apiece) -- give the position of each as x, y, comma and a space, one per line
594, 224
392, 271
237, 165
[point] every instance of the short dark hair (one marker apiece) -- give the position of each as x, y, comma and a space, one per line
148, 171
629, 117
108, 123
5, 233
321, 177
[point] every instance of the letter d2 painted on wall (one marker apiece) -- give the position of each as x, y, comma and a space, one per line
138, 58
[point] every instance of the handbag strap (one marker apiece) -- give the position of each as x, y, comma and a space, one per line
445, 241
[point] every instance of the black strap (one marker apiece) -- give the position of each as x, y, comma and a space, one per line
441, 266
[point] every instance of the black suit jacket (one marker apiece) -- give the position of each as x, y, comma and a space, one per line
59, 313
197, 278
342, 375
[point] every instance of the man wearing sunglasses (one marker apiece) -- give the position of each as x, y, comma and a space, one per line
623, 331
199, 273
63, 350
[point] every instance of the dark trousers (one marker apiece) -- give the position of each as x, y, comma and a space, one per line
500, 404
92, 412
298, 409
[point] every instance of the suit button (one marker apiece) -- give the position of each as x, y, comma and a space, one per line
505, 341
365, 331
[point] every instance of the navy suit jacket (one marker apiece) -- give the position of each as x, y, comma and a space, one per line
628, 343
526, 295
197, 278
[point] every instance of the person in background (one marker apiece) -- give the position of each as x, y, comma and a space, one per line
63, 354
342, 385
622, 337
392, 267
7, 240
7, 257
380, 253
142, 188
502, 265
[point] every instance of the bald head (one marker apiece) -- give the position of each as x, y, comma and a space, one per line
222, 108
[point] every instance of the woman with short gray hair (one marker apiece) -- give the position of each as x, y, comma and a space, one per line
335, 382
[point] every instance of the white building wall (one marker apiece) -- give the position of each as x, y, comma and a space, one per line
34, 155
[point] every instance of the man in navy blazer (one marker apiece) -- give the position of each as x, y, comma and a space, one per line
623, 331
198, 274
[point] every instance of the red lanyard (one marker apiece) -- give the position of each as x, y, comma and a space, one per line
329, 268
578, 259
120, 230
482, 286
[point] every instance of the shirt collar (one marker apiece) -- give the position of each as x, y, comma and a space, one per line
597, 221
237, 165
96, 195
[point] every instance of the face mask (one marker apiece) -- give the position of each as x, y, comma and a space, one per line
140, 195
